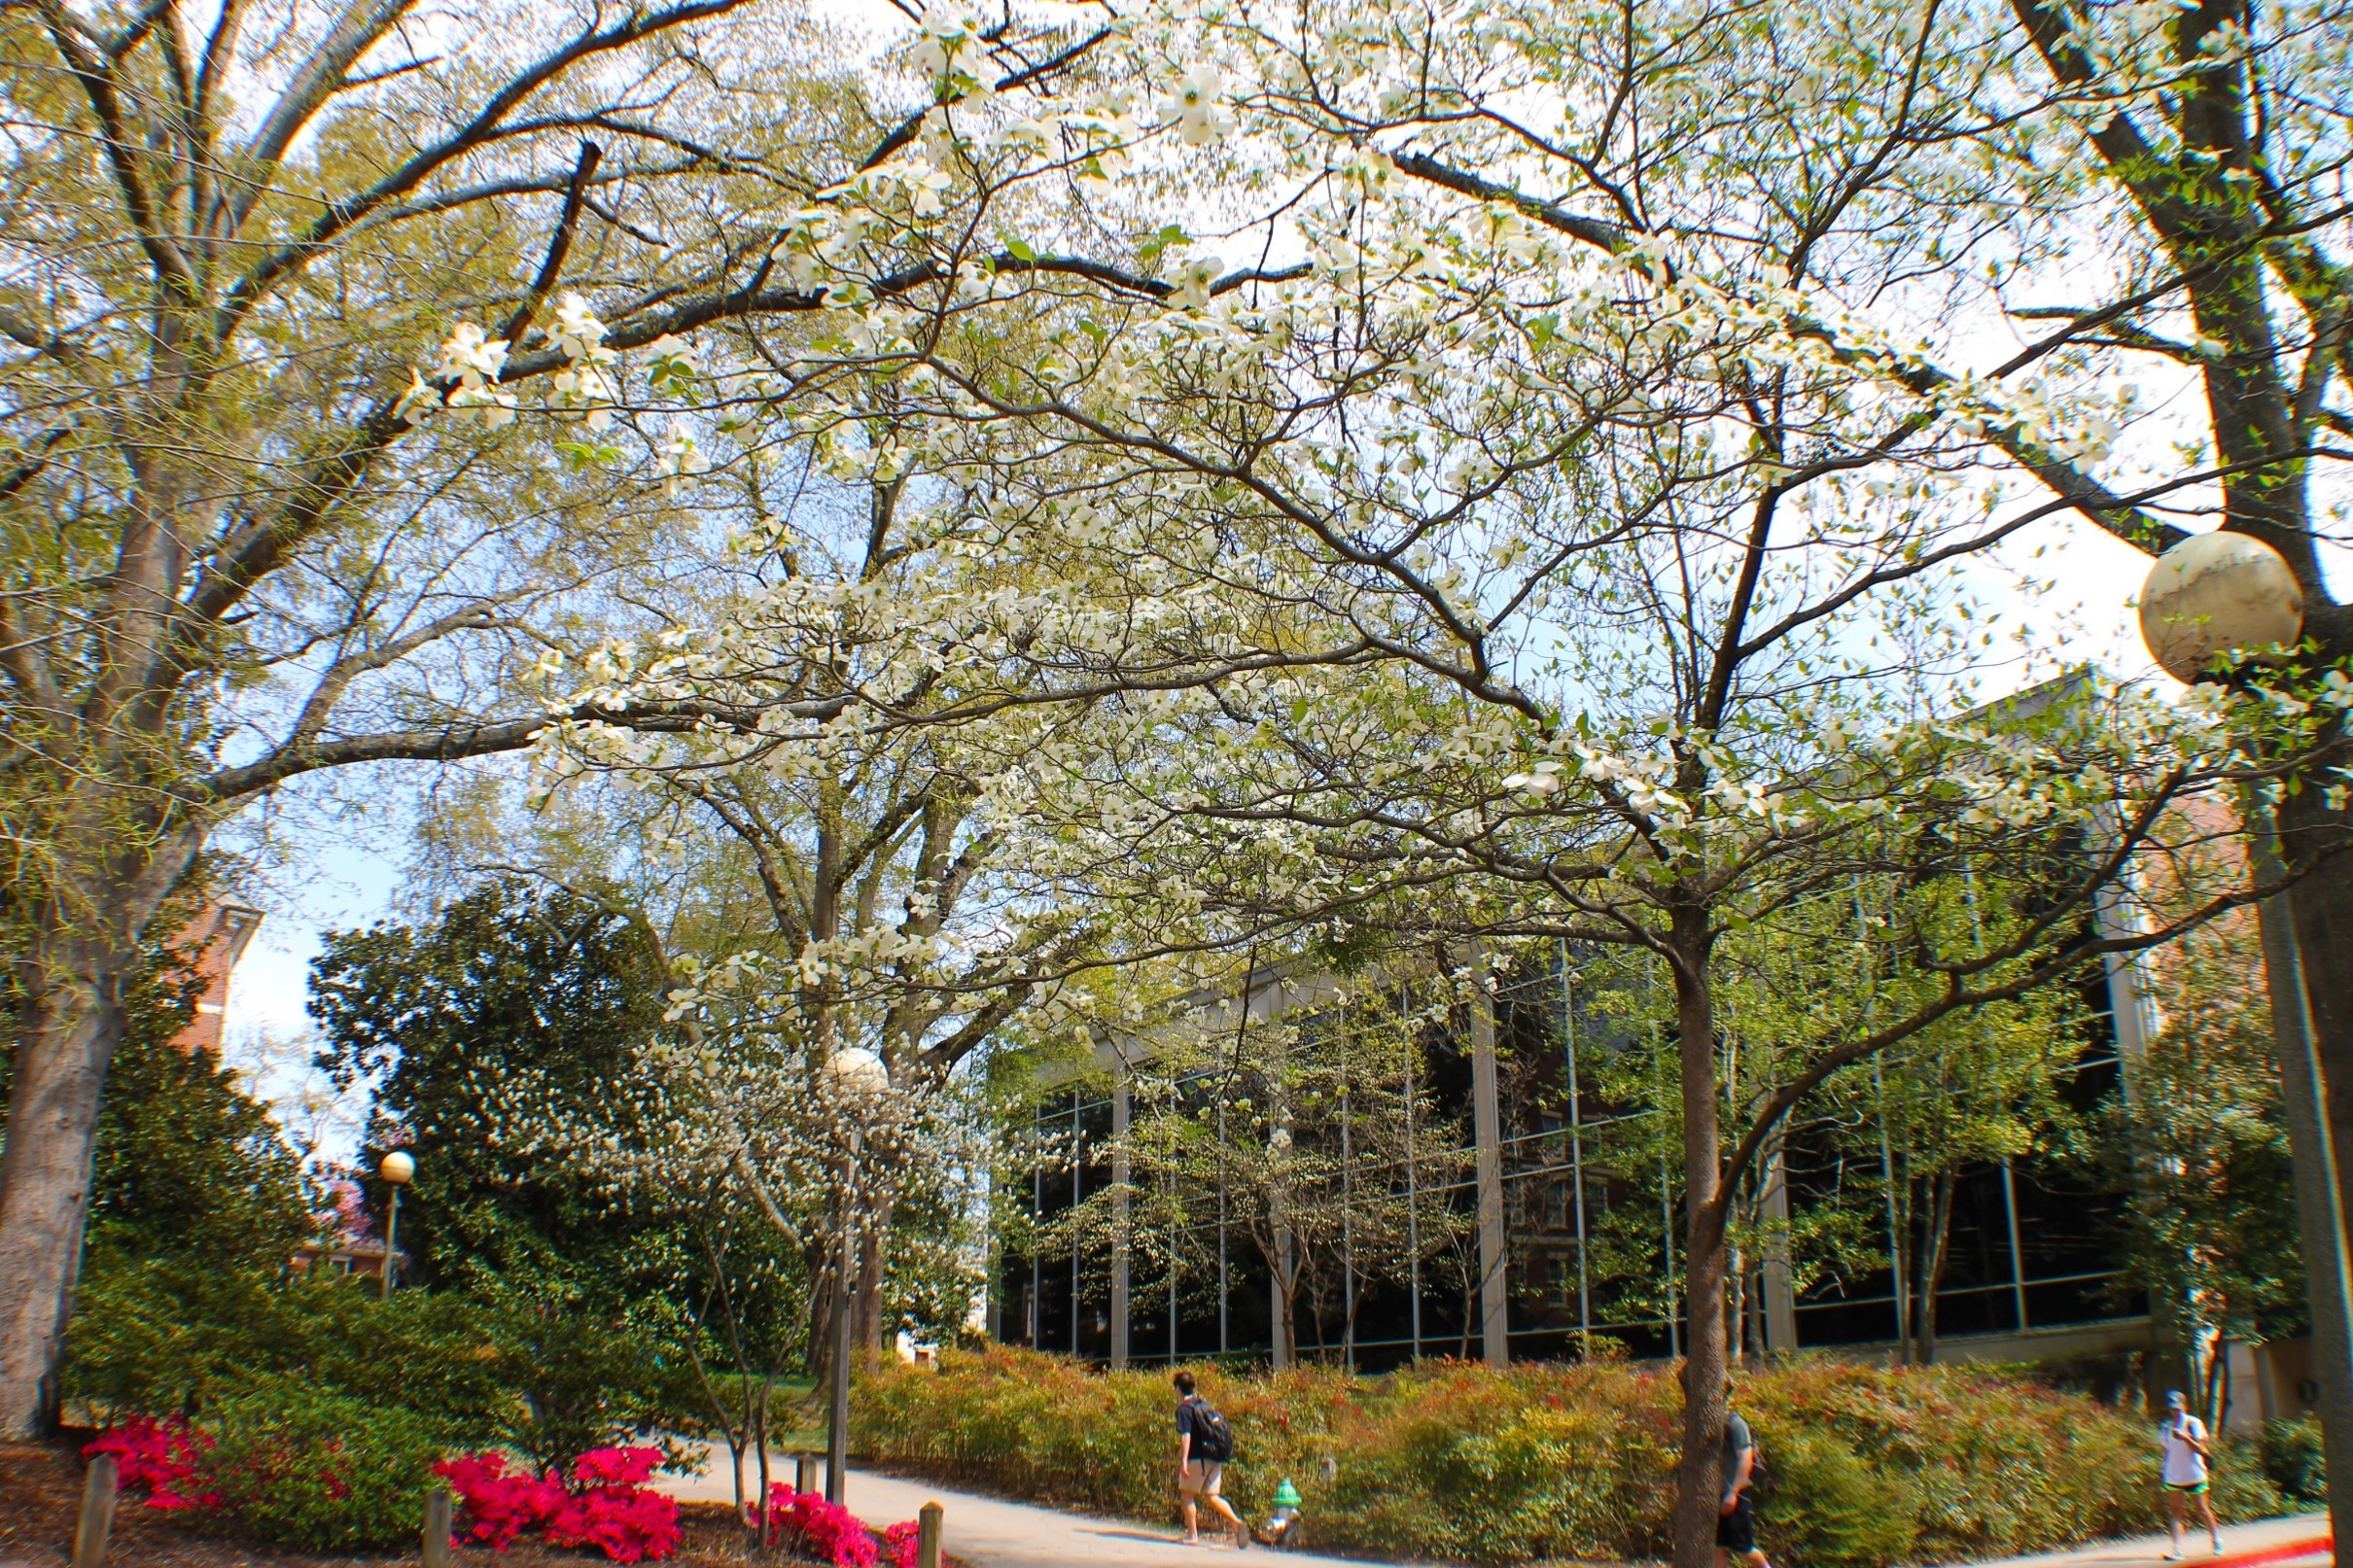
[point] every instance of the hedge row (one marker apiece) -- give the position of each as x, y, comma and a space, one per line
1870, 1465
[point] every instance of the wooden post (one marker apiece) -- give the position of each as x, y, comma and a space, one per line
97, 1521
437, 1529
927, 1535
803, 1479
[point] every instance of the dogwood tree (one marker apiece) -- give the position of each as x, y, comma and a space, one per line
1614, 541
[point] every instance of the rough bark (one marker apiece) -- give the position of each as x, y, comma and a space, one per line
873, 1239
67, 1034
1935, 1249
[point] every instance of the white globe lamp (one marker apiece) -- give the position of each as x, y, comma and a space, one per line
859, 1070
2218, 593
398, 1169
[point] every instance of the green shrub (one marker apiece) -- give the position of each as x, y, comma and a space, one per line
2292, 1459
320, 1470
1834, 1508
1871, 1465
170, 1336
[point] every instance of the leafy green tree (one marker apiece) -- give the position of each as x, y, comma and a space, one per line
272, 503
188, 1164
510, 982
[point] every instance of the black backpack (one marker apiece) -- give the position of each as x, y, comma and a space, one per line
1213, 1438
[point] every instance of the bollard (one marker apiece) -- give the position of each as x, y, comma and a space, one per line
97, 1521
804, 1473
437, 1529
927, 1535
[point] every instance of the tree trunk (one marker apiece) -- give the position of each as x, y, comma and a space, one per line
1935, 1249
71, 1024
824, 1301
1699, 1477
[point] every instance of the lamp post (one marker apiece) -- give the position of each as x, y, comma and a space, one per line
859, 1074
398, 1169
2222, 593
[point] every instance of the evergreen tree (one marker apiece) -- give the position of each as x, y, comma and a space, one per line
506, 981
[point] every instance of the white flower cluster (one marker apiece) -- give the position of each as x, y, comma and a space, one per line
679, 457
583, 384
467, 373
950, 51
1194, 107
469, 366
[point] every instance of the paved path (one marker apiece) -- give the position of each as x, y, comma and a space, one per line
989, 1532
2294, 1542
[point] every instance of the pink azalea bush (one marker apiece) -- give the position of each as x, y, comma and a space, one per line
499, 1507
162, 1459
612, 1509
826, 1532
607, 1507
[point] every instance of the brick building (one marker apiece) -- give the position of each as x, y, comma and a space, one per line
210, 945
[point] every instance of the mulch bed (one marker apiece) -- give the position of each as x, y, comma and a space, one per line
40, 1494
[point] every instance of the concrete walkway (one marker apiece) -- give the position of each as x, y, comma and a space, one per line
989, 1532
2300, 1541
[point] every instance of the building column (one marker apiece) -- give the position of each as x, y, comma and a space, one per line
1780, 1280
2128, 1000
1121, 1110
1487, 1125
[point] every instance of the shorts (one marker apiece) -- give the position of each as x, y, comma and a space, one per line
1736, 1531
2188, 1488
1200, 1479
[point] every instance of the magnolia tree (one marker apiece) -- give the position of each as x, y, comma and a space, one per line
738, 1120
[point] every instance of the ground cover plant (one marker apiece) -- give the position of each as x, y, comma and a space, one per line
1449, 1460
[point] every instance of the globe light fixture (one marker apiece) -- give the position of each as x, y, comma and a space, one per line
398, 1169
858, 1069
2218, 593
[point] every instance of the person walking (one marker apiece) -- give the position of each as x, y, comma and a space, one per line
1736, 1513
1203, 1444
2186, 1473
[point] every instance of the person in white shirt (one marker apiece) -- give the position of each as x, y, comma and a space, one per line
2185, 1474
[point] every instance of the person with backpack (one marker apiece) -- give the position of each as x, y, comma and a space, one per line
1737, 1513
2186, 1473
1205, 1444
